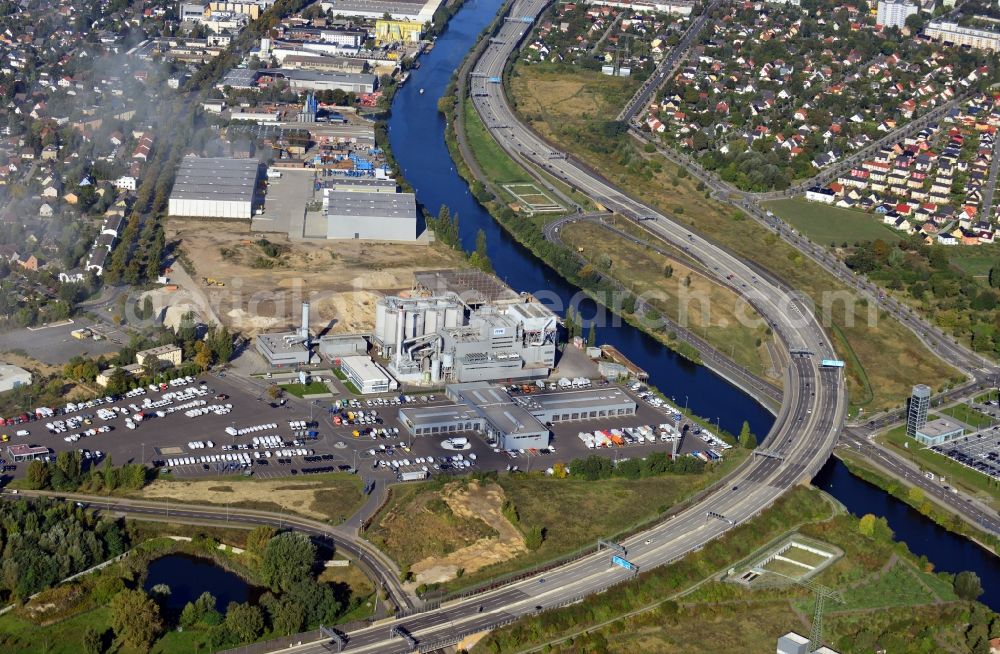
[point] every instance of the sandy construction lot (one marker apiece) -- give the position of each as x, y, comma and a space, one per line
255, 288
476, 502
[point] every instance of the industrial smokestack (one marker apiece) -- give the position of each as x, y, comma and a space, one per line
304, 329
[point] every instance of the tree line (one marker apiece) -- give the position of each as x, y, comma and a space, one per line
45, 541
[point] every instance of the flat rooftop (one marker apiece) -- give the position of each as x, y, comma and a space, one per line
278, 344
425, 417
474, 287
380, 6
365, 368
583, 398
321, 76
216, 178
372, 205
939, 427
496, 405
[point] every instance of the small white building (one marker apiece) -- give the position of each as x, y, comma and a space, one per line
366, 375
125, 183
819, 194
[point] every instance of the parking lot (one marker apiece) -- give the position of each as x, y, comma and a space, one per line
979, 450
222, 425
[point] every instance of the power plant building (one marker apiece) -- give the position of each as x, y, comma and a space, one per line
430, 339
287, 348
215, 187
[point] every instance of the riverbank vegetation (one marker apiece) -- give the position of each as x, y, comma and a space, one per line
112, 610
421, 531
916, 499
884, 358
893, 599
678, 290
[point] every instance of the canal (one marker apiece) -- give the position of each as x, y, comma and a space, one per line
416, 132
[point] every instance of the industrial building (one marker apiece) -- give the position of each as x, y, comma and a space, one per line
314, 80
12, 377
361, 185
421, 11
287, 348
793, 643
397, 31
366, 375
333, 346
430, 339
215, 187
481, 408
375, 216
513, 423
582, 404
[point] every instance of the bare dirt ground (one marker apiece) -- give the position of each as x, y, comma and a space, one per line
321, 499
483, 503
254, 291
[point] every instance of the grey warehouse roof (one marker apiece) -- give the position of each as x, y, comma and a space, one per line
216, 178
321, 76
369, 205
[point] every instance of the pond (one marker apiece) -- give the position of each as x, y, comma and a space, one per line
189, 576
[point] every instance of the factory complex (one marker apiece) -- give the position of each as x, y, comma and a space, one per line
485, 333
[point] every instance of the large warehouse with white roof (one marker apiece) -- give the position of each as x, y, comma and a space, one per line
215, 187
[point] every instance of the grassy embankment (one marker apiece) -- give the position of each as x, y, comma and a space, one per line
415, 525
724, 332
684, 608
329, 497
689, 298
884, 358
55, 622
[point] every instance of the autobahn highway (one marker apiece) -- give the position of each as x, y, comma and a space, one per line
803, 435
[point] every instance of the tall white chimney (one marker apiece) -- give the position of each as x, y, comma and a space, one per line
304, 329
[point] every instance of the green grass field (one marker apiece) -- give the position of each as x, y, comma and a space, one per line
495, 163
975, 260
971, 417
301, 390
825, 224
804, 556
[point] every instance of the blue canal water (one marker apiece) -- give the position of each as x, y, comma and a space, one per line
416, 132
190, 576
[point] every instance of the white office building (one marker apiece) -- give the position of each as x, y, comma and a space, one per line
366, 375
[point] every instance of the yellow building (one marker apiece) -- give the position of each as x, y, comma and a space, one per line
397, 31
166, 353
251, 9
